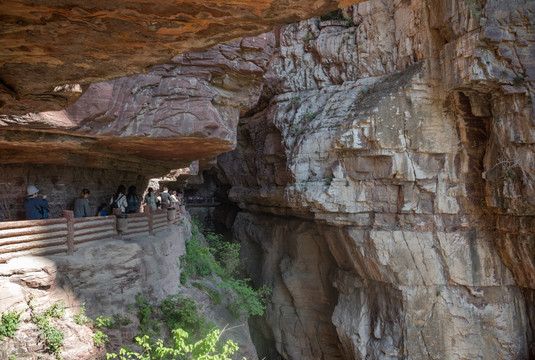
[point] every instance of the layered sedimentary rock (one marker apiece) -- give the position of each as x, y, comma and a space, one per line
51, 51
131, 129
403, 140
176, 113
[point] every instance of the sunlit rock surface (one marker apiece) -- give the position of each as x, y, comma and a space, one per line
404, 139
52, 50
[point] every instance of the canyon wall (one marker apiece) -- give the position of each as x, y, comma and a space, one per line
386, 181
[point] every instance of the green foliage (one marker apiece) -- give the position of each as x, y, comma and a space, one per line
80, 318
201, 261
12, 357
99, 338
249, 301
52, 337
120, 320
116, 322
329, 180
102, 321
198, 260
10, 324
147, 323
226, 254
197, 225
204, 349
179, 312
57, 310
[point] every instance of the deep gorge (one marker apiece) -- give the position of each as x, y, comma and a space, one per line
376, 164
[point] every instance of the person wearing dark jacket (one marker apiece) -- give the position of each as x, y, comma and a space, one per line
36, 207
132, 200
81, 205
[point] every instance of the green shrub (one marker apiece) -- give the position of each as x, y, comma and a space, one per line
10, 324
100, 339
146, 313
226, 254
52, 337
205, 349
198, 260
249, 301
80, 318
102, 321
179, 312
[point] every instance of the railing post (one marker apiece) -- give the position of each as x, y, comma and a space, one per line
148, 211
69, 215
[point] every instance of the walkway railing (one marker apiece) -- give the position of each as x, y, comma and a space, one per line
53, 236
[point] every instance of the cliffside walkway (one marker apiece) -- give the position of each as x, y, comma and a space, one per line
53, 236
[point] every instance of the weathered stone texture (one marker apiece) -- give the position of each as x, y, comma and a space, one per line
106, 276
52, 50
407, 137
164, 119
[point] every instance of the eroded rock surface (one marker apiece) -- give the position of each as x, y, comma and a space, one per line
164, 119
405, 139
52, 50
106, 276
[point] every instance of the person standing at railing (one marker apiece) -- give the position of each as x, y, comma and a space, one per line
118, 201
132, 199
36, 207
150, 199
165, 196
81, 205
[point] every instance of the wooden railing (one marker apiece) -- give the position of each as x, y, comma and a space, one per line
32, 237
52, 236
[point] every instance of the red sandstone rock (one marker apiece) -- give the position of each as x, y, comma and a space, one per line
50, 47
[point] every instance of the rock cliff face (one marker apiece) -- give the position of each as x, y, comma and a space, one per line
387, 183
106, 276
51, 51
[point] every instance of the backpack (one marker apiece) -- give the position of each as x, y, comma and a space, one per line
115, 203
133, 203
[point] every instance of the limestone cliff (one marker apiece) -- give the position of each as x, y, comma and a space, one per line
400, 138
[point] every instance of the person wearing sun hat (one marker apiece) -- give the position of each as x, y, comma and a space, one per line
36, 207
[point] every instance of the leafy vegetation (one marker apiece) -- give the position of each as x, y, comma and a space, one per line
80, 318
205, 349
248, 300
52, 337
222, 258
148, 324
180, 312
10, 324
99, 338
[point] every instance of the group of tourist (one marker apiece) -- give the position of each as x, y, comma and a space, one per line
128, 202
